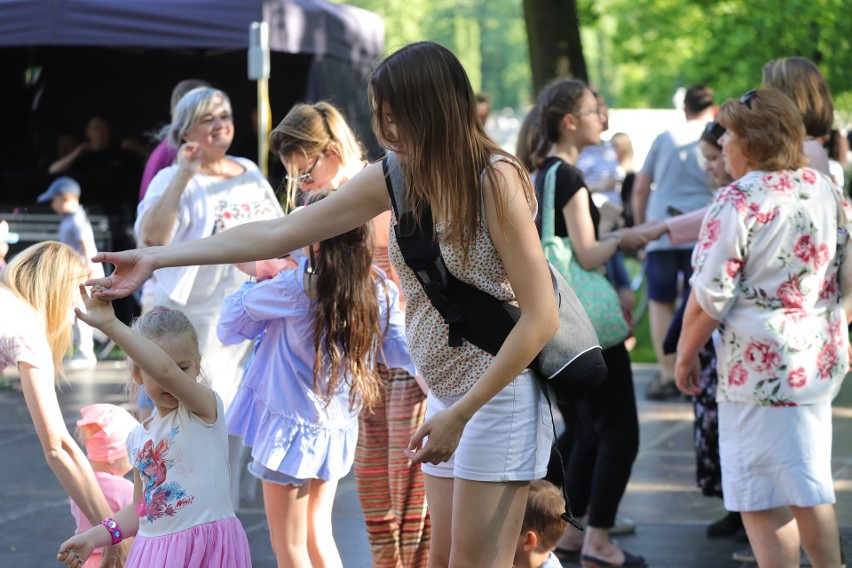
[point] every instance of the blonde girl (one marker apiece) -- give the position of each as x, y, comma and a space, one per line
486, 436
37, 293
181, 513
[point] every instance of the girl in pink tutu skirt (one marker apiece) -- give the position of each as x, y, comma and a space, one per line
182, 514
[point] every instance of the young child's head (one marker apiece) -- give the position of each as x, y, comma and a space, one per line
172, 331
103, 429
63, 194
542, 525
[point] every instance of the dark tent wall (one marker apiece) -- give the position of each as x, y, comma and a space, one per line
129, 87
62, 62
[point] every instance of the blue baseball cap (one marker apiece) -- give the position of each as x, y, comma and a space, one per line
60, 186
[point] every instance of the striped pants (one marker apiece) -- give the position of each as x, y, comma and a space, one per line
390, 487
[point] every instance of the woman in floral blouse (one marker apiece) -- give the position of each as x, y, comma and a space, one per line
765, 281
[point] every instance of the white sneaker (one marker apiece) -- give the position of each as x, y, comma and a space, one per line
623, 526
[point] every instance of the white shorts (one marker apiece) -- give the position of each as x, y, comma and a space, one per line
775, 456
508, 439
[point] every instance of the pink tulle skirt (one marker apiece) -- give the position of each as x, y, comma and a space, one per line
220, 543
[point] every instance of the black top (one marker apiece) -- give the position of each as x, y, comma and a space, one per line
569, 180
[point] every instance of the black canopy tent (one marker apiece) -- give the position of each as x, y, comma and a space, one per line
62, 62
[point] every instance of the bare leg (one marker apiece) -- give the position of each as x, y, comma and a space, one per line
439, 495
287, 514
598, 544
321, 546
774, 537
661, 314
819, 534
487, 520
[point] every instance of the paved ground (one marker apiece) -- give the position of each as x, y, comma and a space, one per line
669, 511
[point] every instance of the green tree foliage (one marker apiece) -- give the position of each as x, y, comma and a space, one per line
656, 46
488, 36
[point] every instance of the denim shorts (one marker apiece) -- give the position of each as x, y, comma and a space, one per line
263, 473
662, 268
508, 439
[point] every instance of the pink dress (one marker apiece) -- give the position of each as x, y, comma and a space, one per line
186, 519
118, 492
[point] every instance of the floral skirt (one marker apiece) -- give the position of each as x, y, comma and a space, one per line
708, 470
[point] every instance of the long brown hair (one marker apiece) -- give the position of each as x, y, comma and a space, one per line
46, 276
443, 145
801, 80
346, 314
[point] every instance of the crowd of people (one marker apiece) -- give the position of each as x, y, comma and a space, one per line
284, 330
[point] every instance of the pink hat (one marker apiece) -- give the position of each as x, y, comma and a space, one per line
115, 423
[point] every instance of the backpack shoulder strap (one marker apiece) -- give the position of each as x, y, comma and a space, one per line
421, 252
394, 181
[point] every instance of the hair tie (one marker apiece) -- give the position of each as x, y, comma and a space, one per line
157, 311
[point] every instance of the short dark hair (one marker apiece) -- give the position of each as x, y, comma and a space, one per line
712, 132
545, 506
697, 99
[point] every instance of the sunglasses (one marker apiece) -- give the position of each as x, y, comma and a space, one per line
714, 131
746, 98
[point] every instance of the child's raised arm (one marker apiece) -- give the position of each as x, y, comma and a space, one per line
150, 358
77, 549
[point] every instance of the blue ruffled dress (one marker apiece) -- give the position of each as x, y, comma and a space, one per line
276, 411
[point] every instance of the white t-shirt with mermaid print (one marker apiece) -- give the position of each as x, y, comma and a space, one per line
183, 463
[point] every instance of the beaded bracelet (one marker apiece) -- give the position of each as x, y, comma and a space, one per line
113, 528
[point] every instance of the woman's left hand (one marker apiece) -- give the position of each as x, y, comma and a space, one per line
688, 375
444, 431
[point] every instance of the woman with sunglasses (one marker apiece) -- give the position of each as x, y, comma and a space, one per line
204, 193
765, 288
320, 151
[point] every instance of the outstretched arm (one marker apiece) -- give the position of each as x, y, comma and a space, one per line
359, 200
77, 549
153, 361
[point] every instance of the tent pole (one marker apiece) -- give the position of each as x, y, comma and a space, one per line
258, 70
263, 125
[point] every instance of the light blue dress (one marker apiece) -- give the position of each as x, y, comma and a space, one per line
276, 410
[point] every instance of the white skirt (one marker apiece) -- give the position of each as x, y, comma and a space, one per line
775, 456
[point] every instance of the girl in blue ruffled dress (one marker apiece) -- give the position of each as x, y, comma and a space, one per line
322, 328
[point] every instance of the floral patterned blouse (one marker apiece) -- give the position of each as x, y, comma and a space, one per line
765, 267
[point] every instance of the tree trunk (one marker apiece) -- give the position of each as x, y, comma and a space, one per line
553, 34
